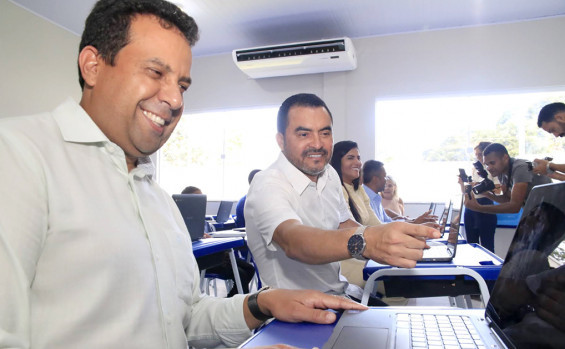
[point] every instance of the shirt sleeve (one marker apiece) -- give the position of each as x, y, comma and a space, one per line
216, 321
521, 174
23, 226
270, 202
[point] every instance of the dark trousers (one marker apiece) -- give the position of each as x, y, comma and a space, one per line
480, 227
246, 272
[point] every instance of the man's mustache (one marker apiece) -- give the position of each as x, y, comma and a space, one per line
310, 151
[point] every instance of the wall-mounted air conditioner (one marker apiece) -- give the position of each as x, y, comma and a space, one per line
297, 58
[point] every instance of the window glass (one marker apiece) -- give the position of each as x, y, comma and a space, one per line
423, 142
216, 151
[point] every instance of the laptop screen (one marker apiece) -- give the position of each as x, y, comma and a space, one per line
527, 304
454, 225
193, 210
224, 211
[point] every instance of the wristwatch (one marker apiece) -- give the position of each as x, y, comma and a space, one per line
356, 244
254, 307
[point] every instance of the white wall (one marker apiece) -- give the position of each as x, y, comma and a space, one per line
506, 57
38, 66
37, 62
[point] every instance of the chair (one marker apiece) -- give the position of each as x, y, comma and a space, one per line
428, 272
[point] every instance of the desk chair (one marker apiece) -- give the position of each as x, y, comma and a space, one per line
369, 286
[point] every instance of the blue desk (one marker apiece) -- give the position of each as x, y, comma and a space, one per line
210, 246
300, 335
472, 256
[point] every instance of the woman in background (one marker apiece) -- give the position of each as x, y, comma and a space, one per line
346, 160
392, 203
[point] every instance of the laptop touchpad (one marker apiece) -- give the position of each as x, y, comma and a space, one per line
362, 337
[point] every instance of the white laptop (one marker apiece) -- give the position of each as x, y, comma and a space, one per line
514, 317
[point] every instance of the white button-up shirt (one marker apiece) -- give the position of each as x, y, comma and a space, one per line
283, 192
91, 255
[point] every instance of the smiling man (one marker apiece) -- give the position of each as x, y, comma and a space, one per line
298, 223
93, 253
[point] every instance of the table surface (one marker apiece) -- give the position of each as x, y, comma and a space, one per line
472, 256
208, 246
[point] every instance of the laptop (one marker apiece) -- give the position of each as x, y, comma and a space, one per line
224, 211
193, 210
514, 316
440, 252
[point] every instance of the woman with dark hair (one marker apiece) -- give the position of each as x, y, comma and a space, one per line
347, 163
346, 160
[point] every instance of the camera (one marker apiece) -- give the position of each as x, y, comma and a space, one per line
486, 184
531, 165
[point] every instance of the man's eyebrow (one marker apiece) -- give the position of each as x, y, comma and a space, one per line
302, 128
168, 69
327, 128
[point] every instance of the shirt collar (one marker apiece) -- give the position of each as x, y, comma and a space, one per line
76, 126
297, 178
370, 193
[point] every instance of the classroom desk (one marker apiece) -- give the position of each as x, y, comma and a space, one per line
209, 251
472, 256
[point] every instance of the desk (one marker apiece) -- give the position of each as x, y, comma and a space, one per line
472, 256
211, 247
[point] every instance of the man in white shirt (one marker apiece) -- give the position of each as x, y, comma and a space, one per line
93, 253
551, 119
298, 224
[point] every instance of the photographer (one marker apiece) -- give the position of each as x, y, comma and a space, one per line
516, 181
551, 119
480, 227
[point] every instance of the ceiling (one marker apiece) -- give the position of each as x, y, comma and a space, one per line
226, 25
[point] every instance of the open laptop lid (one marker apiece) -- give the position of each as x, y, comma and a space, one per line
224, 211
527, 302
454, 226
442, 220
193, 210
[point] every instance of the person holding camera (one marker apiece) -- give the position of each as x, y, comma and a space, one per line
480, 227
551, 119
516, 179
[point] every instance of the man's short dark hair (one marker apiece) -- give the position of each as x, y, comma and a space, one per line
107, 25
496, 148
190, 190
301, 100
547, 113
370, 169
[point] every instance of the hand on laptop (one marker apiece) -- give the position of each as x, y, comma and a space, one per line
303, 305
397, 243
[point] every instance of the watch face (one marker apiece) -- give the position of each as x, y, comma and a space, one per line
355, 245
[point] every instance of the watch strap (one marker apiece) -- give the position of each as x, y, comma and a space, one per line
254, 306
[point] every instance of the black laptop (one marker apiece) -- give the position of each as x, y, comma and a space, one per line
224, 211
525, 309
193, 210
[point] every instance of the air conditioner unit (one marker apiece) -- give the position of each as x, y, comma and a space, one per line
297, 58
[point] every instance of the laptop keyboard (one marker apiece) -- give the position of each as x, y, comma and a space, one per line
436, 331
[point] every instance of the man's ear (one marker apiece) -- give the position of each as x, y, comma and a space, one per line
280, 140
560, 116
89, 65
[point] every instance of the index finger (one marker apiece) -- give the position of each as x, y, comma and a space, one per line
337, 302
421, 231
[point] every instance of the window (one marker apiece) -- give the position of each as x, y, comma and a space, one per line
423, 142
216, 151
